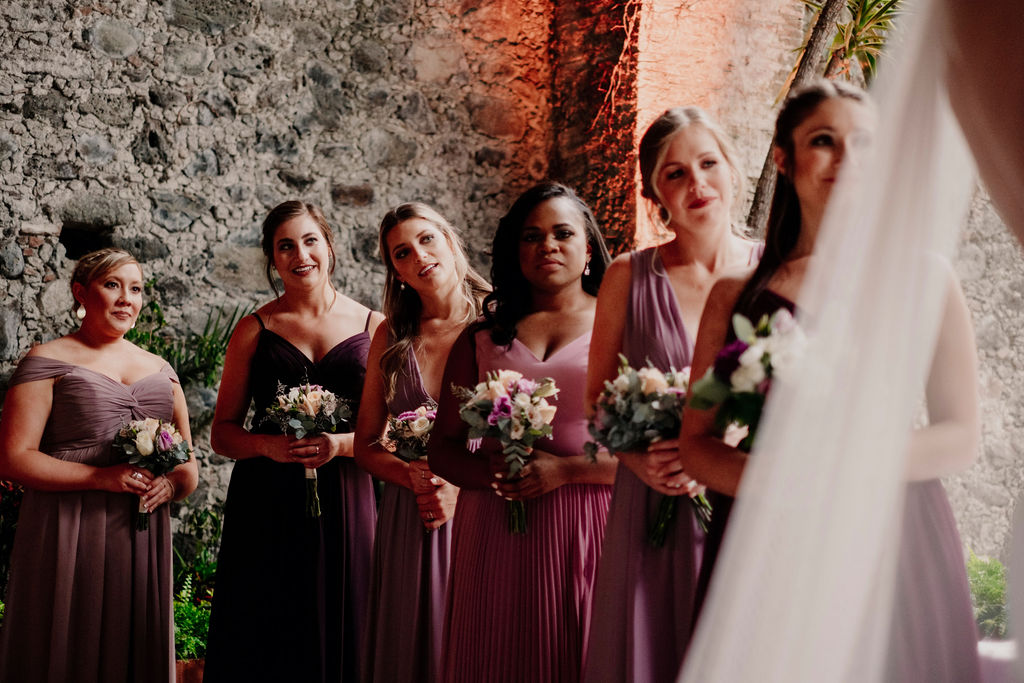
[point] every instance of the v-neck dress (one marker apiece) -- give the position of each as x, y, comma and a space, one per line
643, 615
290, 597
410, 572
519, 605
89, 597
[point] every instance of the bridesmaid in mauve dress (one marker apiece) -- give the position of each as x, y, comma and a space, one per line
290, 596
89, 597
519, 604
648, 309
430, 295
933, 638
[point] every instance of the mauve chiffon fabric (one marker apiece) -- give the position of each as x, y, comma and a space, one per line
410, 572
519, 605
290, 596
89, 597
643, 614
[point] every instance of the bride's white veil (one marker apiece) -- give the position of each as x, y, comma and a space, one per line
803, 586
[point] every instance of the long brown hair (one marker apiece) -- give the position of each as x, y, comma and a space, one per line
281, 214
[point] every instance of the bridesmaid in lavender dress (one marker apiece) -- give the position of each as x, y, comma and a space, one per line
290, 600
89, 597
932, 638
519, 605
648, 310
430, 295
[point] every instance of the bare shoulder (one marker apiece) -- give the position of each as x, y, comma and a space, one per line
57, 349
376, 318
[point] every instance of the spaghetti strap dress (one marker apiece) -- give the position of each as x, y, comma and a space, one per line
519, 605
643, 614
289, 602
410, 572
89, 597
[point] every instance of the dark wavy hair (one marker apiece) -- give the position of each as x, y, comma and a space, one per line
402, 305
784, 219
511, 299
281, 214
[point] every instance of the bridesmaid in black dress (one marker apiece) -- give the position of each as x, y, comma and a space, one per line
289, 602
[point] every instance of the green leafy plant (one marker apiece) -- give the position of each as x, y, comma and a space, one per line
860, 40
988, 595
191, 623
196, 357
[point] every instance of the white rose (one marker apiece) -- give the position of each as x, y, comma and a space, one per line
495, 389
420, 426
150, 425
144, 443
522, 400
546, 411
509, 377
621, 384
747, 377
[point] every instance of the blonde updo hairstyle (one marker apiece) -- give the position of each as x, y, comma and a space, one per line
95, 265
655, 143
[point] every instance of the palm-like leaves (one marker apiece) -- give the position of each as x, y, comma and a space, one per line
861, 39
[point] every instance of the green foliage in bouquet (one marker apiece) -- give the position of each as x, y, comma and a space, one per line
195, 357
988, 595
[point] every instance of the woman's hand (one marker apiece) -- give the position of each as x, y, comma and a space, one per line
435, 497
123, 478
317, 450
161, 491
660, 468
543, 473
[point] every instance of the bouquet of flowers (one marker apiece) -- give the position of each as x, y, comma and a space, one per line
514, 410
743, 371
408, 433
153, 445
636, 409
308, 409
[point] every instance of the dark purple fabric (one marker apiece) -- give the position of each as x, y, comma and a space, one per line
89, 597
643, 608
290, 596
519, 605
410, 573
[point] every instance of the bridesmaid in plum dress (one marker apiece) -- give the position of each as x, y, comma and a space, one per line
933, 637
290, 598
648, 309
430, 295
519, 604
89, 597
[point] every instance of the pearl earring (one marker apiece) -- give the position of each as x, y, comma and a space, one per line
80, 312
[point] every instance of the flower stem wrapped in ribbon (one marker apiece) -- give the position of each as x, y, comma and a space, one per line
304, 410
636, 409
743, 371
514, 410
408, 433
152, 445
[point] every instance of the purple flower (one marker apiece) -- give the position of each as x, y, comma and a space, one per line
165, 440
502, 408
407, 415
728, 359
527, 386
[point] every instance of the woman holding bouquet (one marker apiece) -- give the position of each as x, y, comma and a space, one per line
317, 566
519, 604
430, 295
89, 597
648, 309
933, 636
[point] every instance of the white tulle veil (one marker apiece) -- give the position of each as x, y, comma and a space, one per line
803, 586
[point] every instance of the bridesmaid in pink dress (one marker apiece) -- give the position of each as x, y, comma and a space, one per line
519, 605
90, 597
430, 295
648, 309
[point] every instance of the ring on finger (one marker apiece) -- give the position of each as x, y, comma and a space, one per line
137, 475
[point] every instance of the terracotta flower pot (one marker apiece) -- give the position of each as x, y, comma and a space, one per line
189, 670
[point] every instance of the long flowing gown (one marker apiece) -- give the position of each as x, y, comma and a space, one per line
89, 598
519, 605
290, 596
643, 617
933, 637
410, 572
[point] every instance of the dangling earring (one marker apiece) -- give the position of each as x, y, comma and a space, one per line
586, 268
80, 312
401, 286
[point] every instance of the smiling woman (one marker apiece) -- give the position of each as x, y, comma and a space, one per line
85, 587
309, 334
